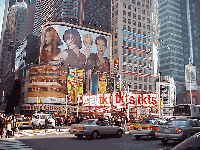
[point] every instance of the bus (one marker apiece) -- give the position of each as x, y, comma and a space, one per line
182, 111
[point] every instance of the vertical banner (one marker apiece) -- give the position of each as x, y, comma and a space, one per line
75, 83
190, 75
116, 64
102, 83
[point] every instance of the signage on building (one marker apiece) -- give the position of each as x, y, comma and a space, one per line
190, 77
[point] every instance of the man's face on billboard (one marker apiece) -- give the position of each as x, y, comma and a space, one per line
48, 38
101, 46
70, 41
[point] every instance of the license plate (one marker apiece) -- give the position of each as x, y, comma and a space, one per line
167, 130
139, 129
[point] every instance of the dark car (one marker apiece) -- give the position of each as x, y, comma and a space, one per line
178, 129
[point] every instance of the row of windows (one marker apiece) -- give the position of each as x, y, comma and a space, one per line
134, 45
45, 89
139, 25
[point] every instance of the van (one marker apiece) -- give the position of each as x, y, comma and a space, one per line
38, 120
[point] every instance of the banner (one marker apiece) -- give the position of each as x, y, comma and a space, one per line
190, 74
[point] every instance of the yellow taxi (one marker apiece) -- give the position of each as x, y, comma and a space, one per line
23, 123
146, 127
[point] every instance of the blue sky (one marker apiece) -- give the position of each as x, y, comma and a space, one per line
2, 6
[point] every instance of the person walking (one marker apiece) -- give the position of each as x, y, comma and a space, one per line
58, 123
1, 125
46, 123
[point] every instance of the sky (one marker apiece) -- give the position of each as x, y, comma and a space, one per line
2, 6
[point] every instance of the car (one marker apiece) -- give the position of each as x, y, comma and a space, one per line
23, 123
146, 127
132, 122
161, 121
178, 129
38, 120
93, 128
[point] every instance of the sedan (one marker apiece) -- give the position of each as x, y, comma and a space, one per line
24, 123
94, 128
178, 129
146, 127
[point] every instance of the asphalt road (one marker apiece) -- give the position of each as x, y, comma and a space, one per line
68, 142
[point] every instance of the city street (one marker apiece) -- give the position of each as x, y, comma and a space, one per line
64, 141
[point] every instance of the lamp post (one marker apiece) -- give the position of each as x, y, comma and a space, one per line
128, 118
189, 59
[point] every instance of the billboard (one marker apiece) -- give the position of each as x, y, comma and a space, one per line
190, 75
75, 46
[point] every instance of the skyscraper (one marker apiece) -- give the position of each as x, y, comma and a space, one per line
132, 43
19, 24
179, 38
90, 13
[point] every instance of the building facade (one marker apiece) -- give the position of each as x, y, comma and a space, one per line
88, 13
179, 39
132, 44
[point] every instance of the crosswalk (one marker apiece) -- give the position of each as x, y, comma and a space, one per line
29, 133
11, 144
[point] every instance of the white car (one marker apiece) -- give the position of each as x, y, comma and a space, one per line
94, 128
38, 120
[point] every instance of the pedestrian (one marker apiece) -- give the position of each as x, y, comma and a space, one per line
8, 127
58, 123
46, 123
1, 125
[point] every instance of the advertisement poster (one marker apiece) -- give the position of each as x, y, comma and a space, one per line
75, 47
75, 83
190, 75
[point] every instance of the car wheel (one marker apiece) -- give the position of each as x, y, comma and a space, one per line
79, 136
137, 137
94, 135
164, 141
119, 133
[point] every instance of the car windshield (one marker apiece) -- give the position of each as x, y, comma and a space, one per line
177, 123
135, 121
44, 116
20, 120
148, 122
87, 122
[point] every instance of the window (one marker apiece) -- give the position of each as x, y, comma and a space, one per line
139, 39
140, 86
129, 28
124, 27
135, 84
124, 43
147, 6
134, 38
129, 14
148, 27
148, 14
117, 12
139, 17
124, 59
129, 44
144, 41
124, 5
117, 5
134, 45
139, 31
144, 33
138, 3
143, 12
148, 20
124, 12
139, 10
133, 1
124, 19
134, 15
115, 43
143, 18
150, 87
142, 4
129, 7
134, 30
140, 78
139, 24
129, 21
134, 9
145, 87
124, 67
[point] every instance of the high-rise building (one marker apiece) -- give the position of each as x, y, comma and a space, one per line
90, 13
179, 39
132, 44
19, 24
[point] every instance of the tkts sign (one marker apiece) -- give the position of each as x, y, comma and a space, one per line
119, 99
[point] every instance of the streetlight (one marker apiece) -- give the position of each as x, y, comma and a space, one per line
189, 59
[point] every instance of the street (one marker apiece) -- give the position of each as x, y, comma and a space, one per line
66, 141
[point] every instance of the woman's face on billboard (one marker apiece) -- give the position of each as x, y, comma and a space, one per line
48, 38
101, 46
70, 41
87, 44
